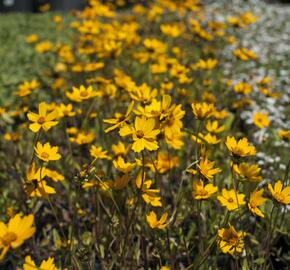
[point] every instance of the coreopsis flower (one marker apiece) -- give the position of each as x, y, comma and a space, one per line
54, 175
208, 138
284, 134
43, 119
230, 241
13, 234
172, 30
165, 162
32, 38
261, 120
250, 172
149, 195
256, 200
243, 87
245, 54
202, 110
66, 110
120, 149
206, 168
279, 193
200, 191
240, 148
143, 94
122, 166
43, 46
231, 200
83, 137
99, 153
143, 134
120, 182
48, 264
205, 64
120, 119
35, 185
154, 223
12, 137
213, 127
82, 93
26, 88
46, 152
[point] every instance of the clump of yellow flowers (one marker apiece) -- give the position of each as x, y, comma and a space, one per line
144, 146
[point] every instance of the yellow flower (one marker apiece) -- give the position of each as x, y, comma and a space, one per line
15, 232
208, 138
231, 200
240, 148
32, 38
98, 152
230, 241
245, 54
143, 134
279, 193
54, 175
81, 94
43, 119
44, 46
120, 149
261, 120
154, 223
120, 182
83, 137
120, 119
205, 64
172, 30
201, 191
48, 264
250, 172
284, 134
243, 87
202, 110
26, 88
66, 110
206, 168
46, 152
256, 200
123, 166
213, 127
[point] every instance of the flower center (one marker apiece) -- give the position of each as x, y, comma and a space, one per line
41, 120
203, 192
84, 93
230, 200
44, 155
8, 238
139, 134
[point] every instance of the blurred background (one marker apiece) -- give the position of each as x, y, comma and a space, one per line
65, 5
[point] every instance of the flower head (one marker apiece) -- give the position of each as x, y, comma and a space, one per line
240, 148
279, 193
256, 200
154, 223
250, 172
202, 110
201, 191
231, 200
43, 119
261, 120
48, 264
46, 152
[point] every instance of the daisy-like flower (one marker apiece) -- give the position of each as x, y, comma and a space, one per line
261, 120
206, 168
46, 152
201, 191
81, 94
48, 264
230, 241
240, 148
43, 119
213, 127
202, 110
154, 223
231, 200
15, 232
143, 133
250, 172
123, 166
279, 193
120, 119
99, 153
256, 200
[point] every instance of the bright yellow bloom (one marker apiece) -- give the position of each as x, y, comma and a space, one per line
256, 200
82, 93
83, 137
240, 148
245, 54
32, 38
120, 119
206, 168
15, 232
42, 119
213, 127
48, 264
46, 152
231, 200
202, 110
154, 223
243, 87
26, 88
230, 241
250, 172
120, 149
143, 134
261, 120
123, 166
208, 138
54, 175
99, 153
279, 193
143, 94
172, 30
284, 134
66, 110
205, 64
201, 191
43, 46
